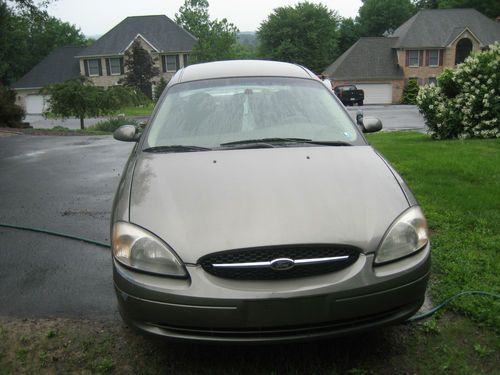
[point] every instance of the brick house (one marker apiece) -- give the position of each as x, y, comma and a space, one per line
103, 61
419, 49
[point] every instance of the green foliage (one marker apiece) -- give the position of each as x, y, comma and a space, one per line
112, 124
349, 32
140, 69
216, 38
243, 51
490, 8
378, 16
160, 86
410, 92
27, 35
10, 113
78, 97
305, 34
466, 102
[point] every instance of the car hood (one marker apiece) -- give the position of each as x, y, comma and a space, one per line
203, 202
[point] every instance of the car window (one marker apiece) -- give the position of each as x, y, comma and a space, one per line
211, 112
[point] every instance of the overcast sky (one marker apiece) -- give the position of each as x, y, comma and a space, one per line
95, 17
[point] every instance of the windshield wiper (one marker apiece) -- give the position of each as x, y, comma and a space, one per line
267, 140
176, 148
286, 140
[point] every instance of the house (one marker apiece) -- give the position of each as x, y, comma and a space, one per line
431, 40
103, 61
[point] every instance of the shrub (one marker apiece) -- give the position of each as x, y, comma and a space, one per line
159, 88
410, 92
11, 114
112, 124
466, 102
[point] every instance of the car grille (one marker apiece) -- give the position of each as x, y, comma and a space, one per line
275, 263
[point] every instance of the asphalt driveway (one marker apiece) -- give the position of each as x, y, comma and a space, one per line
64, 184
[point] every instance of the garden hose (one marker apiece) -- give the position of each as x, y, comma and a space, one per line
414, 318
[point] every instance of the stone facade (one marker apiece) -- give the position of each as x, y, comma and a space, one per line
106, 80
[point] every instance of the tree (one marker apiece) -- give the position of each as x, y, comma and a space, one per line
27, 35
305, 34
11, 114
78, 97
490, 8
160, 86
140, 69
215, 38
349, 32
379, 16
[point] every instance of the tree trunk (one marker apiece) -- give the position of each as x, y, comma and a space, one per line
81, 123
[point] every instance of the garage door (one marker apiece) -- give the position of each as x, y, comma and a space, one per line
35, 104
376, 93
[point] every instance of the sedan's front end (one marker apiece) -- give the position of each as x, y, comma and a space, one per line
252, 226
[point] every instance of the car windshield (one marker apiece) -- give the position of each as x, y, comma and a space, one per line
211, 113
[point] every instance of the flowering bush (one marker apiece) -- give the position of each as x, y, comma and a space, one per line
466, 101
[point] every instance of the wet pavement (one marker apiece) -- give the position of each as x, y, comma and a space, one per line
63, 184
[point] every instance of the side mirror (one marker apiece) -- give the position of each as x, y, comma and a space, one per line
368, 124
126, 133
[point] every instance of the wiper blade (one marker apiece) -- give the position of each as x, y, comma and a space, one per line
329, 143
270, 141
267, 140
176, 148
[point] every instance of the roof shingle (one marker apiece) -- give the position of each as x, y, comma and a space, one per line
159, 30
439, 27
368, 58
58, 66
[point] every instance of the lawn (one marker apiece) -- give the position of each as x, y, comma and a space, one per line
144, 110
458, 185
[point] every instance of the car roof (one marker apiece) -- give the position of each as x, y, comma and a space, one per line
240, 68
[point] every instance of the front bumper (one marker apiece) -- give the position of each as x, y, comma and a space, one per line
207, 308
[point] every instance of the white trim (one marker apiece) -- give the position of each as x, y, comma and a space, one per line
137, 36
462, 33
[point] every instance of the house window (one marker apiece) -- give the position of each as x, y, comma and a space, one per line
463, 50
433, 56
432, 81
171, 62
115, 66
413, 58
93, 67
185, 59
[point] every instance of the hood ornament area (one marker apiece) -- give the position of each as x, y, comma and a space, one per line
282, 264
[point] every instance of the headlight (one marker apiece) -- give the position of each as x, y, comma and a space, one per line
136, 248
407, 234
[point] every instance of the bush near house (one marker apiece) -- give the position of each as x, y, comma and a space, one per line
410, 92
112, 124
466, 101
11, 114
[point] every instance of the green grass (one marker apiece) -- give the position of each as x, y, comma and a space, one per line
457, 183
62, 130
144, 110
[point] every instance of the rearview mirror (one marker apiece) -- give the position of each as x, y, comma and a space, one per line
126, 133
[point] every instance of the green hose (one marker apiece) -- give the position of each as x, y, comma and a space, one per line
435, 309
92, 242
414, 318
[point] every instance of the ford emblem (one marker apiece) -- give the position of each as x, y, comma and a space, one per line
282, 264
